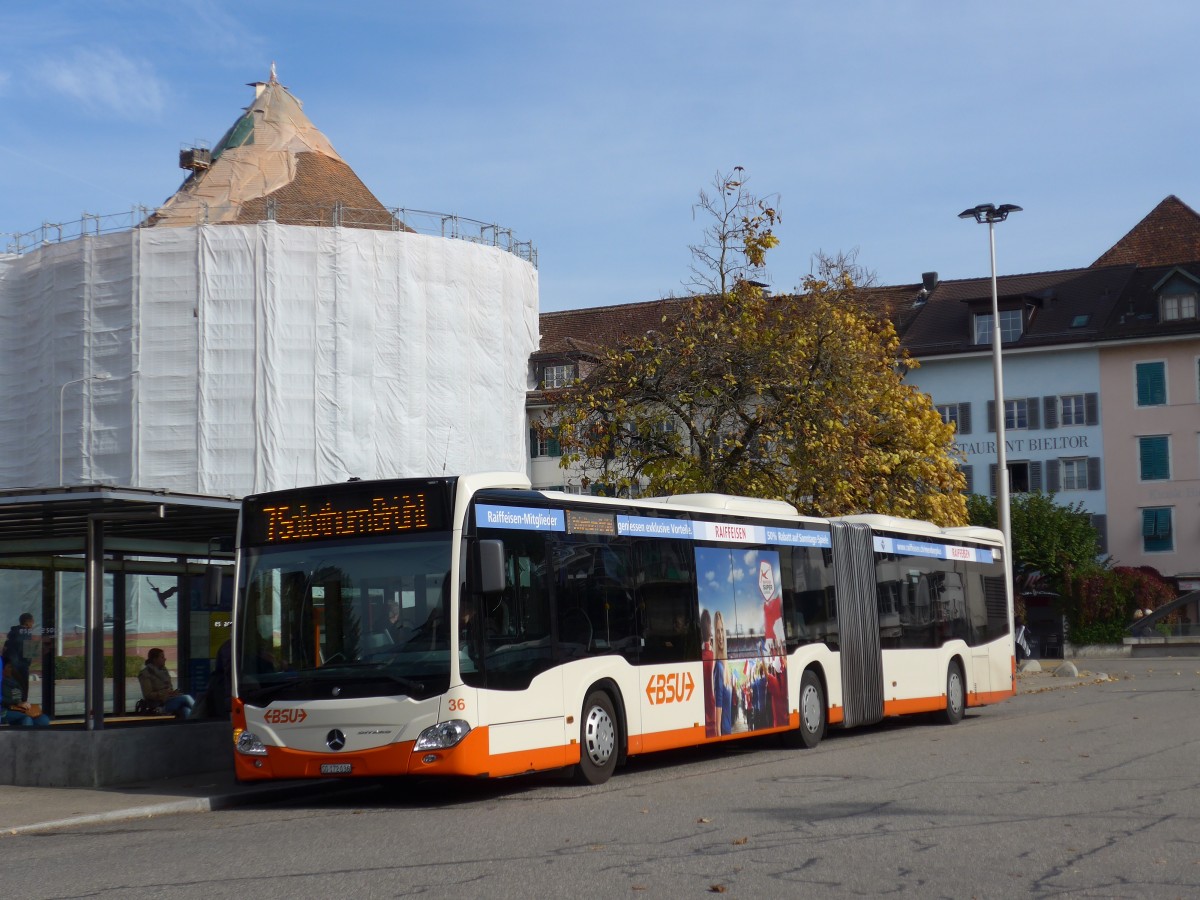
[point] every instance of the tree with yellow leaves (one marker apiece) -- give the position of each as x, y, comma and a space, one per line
798, 398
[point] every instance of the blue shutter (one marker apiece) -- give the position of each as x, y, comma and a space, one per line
1155, 459
1156, 529
1151, 383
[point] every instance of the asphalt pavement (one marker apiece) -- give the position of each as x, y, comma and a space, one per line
31, 809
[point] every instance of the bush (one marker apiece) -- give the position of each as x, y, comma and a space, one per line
1101, 603
67, 667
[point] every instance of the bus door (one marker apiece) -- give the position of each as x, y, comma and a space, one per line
858, 623
508, 652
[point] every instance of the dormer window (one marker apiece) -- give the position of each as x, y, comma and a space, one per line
1011, 325
557, 376
1177, 294
1177, 306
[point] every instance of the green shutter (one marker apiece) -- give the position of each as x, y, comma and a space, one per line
1151, 384
1155, 460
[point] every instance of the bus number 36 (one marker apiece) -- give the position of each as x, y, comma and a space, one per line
670, 687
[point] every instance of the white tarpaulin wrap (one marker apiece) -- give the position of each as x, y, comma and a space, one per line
248, 358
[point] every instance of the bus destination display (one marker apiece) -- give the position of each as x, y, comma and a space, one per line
313, 516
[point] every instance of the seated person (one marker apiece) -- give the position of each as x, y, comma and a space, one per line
157, 689
14, 710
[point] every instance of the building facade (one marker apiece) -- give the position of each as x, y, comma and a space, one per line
1101, 376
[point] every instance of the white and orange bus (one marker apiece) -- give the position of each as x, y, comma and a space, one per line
473, 626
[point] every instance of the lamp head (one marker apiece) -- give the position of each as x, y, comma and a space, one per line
989, 212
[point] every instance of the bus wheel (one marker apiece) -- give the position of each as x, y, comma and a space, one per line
812, 713
597, 739
956, 695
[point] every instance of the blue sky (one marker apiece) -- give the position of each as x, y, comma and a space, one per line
589, 129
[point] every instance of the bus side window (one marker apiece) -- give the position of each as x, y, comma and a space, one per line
593, 596
515, 626
808, 612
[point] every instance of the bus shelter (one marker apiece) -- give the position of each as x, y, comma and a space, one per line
109, 573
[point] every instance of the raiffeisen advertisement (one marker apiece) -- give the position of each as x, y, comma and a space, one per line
742, 641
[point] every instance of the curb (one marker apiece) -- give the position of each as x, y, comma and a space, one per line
191, 805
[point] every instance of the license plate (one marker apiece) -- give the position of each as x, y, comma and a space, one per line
335, 768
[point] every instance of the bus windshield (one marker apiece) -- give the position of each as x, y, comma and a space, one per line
346, 619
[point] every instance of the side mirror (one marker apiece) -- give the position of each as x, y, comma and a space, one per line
491, 566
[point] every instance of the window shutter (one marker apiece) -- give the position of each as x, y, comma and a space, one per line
1091, 404
1100, 523
552, 448
533, 443
992, 479
1050, 408
1053, 476
1035, 421
1155, 461
969, 474
964, 418
992, 418
1151, 384
1093, 465
1035, 476
1156, 523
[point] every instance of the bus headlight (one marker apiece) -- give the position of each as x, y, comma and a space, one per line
250, 744
443, 735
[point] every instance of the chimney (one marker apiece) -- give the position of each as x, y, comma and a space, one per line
929, 280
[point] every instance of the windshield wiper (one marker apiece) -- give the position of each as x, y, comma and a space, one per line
264, 691
381, 669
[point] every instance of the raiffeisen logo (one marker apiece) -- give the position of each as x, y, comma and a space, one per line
731, 532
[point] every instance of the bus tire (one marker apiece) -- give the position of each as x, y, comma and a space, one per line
598, 739
813, 713
956, 694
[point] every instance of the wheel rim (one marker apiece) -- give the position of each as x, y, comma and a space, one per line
599, 735
954, 691
810, 708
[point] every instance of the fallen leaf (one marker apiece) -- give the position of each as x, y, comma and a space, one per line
703, 821
717, 889
737, 842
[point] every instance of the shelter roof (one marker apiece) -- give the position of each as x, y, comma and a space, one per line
56, 519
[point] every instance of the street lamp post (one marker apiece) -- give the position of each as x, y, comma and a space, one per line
62, 391
991, 214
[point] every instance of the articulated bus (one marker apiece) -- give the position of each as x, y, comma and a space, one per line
472, 626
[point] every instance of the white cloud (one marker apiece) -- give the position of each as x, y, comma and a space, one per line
106, 81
